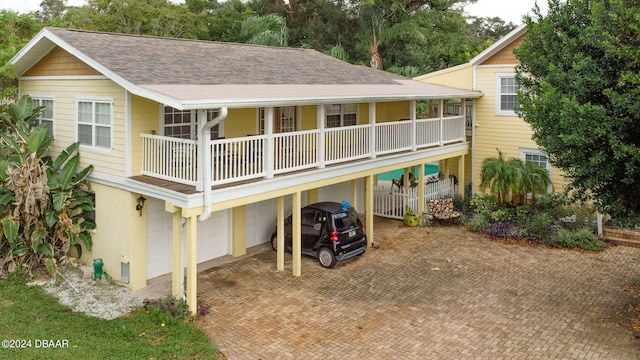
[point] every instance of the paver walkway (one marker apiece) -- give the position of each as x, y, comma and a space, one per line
436, 293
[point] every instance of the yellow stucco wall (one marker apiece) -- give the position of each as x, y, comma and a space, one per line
241, 122
120, 235
65, 94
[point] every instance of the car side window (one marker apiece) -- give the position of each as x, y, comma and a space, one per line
308, 217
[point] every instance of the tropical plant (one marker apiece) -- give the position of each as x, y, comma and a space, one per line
270, 30
42, 201
511, 180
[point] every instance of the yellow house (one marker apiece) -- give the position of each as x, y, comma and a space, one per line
495, 124
200, 148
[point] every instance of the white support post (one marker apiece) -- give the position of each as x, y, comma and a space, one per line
372, 134
269, 151
441, 115
320, 119
412, 111
204, 152
463, 110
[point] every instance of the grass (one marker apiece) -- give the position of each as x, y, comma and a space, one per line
29, 314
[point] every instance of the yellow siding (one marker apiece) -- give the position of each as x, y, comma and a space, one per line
309, 116
240, 122
58, 62
509, 134
458, 77
145, 119
65, 93
392, 111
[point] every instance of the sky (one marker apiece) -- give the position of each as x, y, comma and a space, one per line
508, 10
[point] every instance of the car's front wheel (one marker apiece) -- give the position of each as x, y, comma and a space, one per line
274, 242
326, 257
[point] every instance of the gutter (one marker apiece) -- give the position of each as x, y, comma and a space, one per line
203, 140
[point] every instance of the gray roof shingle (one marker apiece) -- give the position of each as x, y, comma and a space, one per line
147, 60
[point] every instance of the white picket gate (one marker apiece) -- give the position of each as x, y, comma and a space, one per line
390, 202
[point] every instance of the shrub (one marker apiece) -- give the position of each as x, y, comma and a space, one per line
481, 203
502, 215
480, 222
501, 230
538, 227
581, 238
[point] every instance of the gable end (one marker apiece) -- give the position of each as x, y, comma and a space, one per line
59, 62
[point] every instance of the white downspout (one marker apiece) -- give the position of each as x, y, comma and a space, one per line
203, 142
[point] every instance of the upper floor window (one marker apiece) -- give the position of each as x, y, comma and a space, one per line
183, 123
341, 115
506, 94
95, 123
285, 119
46, 114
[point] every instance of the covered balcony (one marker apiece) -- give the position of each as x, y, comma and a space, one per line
264, 156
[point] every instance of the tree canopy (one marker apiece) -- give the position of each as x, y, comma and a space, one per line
580, 78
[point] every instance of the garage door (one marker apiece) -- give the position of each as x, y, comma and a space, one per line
261, 220
212, 238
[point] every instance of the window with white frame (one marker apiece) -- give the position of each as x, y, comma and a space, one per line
285, 116
537, 157
341, 115
95, 123
183, 123
46, 114
506, 94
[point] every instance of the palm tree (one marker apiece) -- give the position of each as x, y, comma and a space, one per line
510, 180
269, 30
535, 179
501, 176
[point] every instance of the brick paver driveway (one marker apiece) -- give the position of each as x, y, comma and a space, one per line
437, 293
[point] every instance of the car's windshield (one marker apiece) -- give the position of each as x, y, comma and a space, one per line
345, 219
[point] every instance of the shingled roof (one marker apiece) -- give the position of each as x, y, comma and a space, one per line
192, 73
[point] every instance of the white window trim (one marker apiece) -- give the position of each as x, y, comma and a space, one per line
527, 151
95, 99
193, 125
498, 96
342, 113
51, 98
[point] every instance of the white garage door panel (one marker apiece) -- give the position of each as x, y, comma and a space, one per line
261, 220
212, 238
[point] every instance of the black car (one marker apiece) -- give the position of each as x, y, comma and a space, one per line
331, 232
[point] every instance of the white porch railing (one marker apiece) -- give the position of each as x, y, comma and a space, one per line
237, 159
389, 201
295, 151
393, 137
253, 157
169, 158
347, 143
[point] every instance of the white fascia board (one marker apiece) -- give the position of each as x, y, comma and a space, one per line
251, 103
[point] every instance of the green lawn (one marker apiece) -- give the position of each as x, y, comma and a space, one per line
49, 330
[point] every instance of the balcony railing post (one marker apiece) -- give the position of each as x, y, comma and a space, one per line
372, 129
412, 114
269, 148
441, 116
320, 115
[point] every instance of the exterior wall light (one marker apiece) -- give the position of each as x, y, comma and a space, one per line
140, 204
